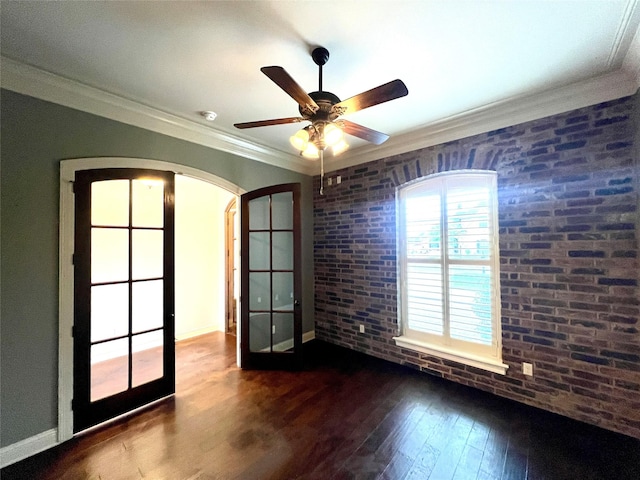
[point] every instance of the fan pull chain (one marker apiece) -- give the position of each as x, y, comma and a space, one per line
321, 152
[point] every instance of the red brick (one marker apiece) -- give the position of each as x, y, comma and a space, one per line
568, 223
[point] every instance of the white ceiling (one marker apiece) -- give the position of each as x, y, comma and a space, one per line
469, 66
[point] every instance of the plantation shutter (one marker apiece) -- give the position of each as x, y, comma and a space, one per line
448, 264
469, 263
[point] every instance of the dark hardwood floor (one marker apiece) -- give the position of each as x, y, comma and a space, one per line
346, 416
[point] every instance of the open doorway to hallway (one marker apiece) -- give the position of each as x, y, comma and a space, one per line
205, 274
206, 279
202, 258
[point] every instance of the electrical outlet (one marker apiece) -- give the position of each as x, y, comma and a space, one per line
329, 181
338, 180
361, 328
527, 369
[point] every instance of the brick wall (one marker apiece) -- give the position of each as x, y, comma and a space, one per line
569, 268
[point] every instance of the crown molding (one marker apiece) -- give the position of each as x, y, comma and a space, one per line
631, 63
505, 113
624, 34
32, 81
44, 85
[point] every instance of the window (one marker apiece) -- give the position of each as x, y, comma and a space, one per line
448, 268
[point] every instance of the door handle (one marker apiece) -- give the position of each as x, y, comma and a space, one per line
296, 303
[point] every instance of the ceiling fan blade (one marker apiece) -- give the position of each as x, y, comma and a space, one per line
383, 93
281, 78
266, 123
363, 132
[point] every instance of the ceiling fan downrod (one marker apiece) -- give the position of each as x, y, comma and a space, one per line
320, 56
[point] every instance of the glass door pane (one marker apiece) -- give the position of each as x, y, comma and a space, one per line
109, 255
147, 357
147, 253
282, 251
282, 291
109, 368
146, 310
109, 311
282, 211
282, 332
259, 213
260, 245
110, 203
260, 327
148, 202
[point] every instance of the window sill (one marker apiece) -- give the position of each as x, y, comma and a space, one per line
484, 363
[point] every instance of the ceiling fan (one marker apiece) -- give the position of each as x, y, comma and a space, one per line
323, 110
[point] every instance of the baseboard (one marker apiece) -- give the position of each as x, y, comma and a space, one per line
196, 333
288, 344
29, 446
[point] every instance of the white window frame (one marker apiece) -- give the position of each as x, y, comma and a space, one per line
485, 357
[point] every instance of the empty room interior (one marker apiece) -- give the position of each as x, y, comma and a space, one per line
320, 240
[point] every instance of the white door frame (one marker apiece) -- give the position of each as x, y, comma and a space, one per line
68, 169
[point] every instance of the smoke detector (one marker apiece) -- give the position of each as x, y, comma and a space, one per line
209, 115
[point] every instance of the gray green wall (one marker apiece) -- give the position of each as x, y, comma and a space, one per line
35, 136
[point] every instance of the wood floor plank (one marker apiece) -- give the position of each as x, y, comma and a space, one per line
344, 417
494, 454
515, 465
363, 461
398, 467
478, 435
452, 449
469, 464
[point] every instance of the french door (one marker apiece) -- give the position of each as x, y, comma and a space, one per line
124, 328
271, 318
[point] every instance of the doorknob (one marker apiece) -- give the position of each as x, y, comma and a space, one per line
296, 303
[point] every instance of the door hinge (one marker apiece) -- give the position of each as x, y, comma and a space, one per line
73, 331
73, 404
73, 259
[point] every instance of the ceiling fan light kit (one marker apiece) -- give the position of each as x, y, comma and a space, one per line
317, 137
323, 108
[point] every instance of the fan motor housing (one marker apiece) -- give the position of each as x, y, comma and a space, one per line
324, 100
